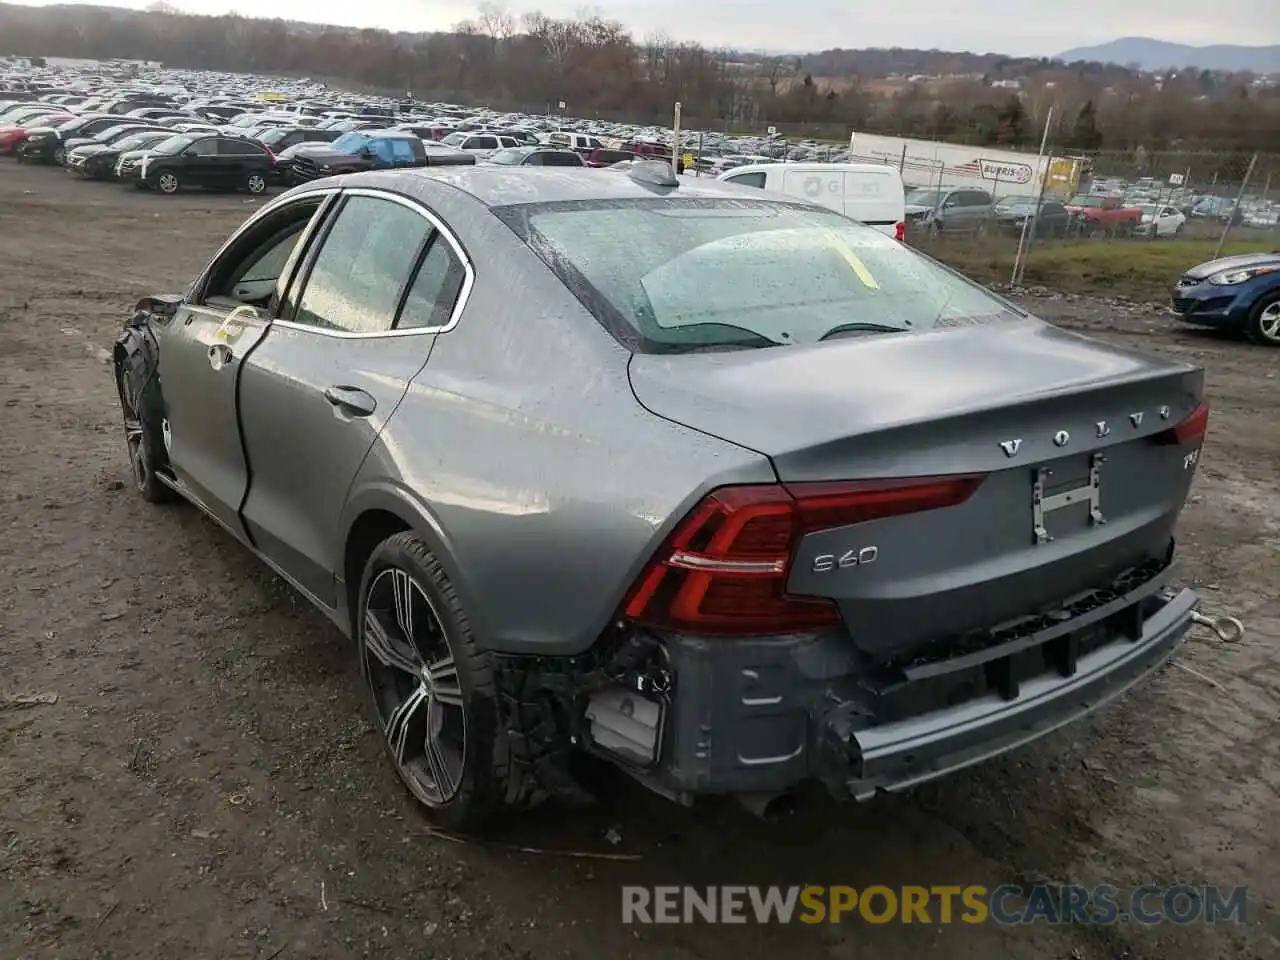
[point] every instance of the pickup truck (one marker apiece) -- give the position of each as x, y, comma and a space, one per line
648, 150
1094, 215
361, 150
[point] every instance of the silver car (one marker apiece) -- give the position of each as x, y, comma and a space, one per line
729, 490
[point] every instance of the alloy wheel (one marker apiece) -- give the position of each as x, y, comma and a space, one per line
168, 183
1269, 322
133, 439
416, 690
256, 183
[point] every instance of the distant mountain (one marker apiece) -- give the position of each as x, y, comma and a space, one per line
1152, 54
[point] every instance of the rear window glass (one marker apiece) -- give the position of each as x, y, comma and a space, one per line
672, 275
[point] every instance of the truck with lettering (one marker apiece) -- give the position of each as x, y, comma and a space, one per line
928, 164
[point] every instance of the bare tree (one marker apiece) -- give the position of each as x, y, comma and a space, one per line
496, 22
774, 69
657, 47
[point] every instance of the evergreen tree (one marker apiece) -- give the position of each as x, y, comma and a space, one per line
1012, 123
1085, 135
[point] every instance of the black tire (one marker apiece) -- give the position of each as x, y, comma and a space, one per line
256, 183
144, 439
1263, 326
492, 777
59, 155
167, 182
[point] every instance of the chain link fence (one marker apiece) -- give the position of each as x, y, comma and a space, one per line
1135, 220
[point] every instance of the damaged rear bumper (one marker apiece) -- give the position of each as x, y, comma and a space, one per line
762, 716
900, 755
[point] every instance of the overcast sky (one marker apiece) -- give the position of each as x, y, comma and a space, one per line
1021, 27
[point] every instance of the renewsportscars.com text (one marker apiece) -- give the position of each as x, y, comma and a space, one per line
973, 904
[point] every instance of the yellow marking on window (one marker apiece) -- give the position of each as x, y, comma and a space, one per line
855, 264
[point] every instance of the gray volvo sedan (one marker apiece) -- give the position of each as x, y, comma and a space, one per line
728, 490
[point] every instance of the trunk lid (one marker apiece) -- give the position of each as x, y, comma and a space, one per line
1036, 410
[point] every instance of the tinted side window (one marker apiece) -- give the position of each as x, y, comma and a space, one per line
203, 148
435, 289
356, 281
382, 149
402, 151
238, 148
755, 179
561, 160
977, 198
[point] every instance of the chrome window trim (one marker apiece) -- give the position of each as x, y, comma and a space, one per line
464, 292
279, 202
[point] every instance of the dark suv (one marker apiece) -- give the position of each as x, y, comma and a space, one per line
369, 150
205, 160
48, 144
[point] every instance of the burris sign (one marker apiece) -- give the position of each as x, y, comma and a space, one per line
1005, 172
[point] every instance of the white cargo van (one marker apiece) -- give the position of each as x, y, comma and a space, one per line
870, 192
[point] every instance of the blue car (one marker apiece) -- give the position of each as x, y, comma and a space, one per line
1234, 293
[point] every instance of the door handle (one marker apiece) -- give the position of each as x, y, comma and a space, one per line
220, 355
351, 400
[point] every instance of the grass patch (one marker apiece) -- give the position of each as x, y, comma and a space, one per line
1134, 269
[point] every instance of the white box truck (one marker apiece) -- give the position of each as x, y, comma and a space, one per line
1002, 173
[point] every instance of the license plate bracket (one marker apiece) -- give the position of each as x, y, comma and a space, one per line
1042, 504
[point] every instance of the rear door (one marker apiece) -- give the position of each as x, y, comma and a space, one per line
483, 145
824, 187
201, 164
236, 160
874, 197
203, 347
353, 331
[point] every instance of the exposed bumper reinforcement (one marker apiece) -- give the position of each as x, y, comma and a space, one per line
897, 756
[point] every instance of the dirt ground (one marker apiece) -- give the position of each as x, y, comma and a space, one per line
207, 784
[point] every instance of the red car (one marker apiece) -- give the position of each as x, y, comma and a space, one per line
1096, 215
11, 135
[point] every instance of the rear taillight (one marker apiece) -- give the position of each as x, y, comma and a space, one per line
1190, 431
900, 231
724, 570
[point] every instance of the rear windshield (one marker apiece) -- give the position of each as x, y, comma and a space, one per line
670, 275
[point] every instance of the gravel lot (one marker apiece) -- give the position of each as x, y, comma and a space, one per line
207, 785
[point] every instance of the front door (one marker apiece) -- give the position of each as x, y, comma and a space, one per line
202, 351
331, 371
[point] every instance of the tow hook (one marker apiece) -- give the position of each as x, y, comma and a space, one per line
1228, 629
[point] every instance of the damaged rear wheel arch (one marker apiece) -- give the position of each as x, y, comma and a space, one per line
370, 528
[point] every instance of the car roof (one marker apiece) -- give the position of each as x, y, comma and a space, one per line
503, 186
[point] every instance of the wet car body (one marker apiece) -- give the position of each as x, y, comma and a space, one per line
726, 566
